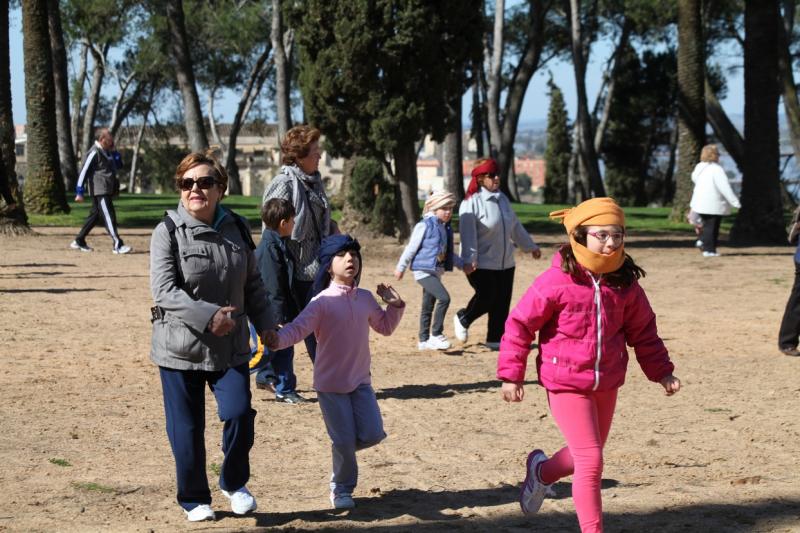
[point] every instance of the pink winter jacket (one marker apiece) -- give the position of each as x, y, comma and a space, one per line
564, 311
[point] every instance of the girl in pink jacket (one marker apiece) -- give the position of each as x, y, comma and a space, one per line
586, 307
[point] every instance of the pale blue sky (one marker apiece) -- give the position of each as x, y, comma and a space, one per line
534, 107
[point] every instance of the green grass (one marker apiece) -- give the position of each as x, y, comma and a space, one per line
215, 468
146, 210
92, 486
59, 462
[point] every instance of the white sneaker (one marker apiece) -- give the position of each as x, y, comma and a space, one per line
438, 342
242, 502
698, 243
124, 249
342, 501
75, 245
711, 254
200, 513
461, 331
533, 490
423, 345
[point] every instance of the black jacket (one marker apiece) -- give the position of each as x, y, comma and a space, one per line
276, 265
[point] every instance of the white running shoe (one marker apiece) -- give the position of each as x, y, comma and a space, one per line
75, 245
200, 513
124, 249
698, 243
438, 342
242, 502
533, 490
342, 501
423, 345
711, 254
461, 331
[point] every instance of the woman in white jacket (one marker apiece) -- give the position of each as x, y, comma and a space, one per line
712, 197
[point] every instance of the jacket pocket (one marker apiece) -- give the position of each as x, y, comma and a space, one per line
196, 260
183, 342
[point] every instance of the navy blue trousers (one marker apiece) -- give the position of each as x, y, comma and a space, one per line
184, 406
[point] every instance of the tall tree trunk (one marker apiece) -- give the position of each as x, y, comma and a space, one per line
44, 186
790, 102
136, 147
602, 124
476, 114
69, 168
405, 160
184, 73
691, 102
494, 70
669, 175
99, 59
760, 220
587, 151
516, 94
453, 173
77, 101
282, 75
11, 221
723, 128
255, 81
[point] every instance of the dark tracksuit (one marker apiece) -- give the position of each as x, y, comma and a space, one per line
98, 178
790, 325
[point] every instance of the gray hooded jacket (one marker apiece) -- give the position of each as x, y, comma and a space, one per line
218, 269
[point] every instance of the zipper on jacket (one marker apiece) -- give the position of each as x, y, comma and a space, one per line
599, 316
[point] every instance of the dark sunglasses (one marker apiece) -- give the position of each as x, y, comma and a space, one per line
203, 182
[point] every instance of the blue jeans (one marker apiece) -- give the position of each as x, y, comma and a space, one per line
184, 406
281, 369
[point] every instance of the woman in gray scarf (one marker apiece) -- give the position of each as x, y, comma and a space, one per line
300, 183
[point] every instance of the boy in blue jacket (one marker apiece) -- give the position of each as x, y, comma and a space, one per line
276, 265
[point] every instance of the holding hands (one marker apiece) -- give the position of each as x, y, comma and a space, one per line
389, 295
269, 338
536, 253
671, 384
221, 323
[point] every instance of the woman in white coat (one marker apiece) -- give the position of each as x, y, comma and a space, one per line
712, 197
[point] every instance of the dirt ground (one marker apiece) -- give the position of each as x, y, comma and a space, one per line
83, 445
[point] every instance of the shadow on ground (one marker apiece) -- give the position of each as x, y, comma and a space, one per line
466, 511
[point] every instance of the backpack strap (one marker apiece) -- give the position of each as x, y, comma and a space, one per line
173, 244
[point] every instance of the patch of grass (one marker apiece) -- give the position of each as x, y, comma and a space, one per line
215, 468
59, 462
146, 210
92, 486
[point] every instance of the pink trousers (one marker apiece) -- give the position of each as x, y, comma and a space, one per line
585, 420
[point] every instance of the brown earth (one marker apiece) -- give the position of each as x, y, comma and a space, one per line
83, 445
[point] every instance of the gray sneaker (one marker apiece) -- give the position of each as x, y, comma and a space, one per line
82, 246
533, 490
342, 501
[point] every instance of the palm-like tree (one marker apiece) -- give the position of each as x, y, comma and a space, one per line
44, 187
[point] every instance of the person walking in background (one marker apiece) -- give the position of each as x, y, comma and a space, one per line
98, 178
490, 230
277, 271
711, 198
790, 324
430, 253
205, 285
340, 315
586, 307
300, 183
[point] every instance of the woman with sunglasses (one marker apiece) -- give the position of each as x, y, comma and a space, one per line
205, 284
490, 231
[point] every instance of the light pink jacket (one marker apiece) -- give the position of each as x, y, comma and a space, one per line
340, 318
565, 311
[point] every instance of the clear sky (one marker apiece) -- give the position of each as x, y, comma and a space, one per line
534, 107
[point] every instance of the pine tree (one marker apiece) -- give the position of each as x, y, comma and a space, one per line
557, 153
377, 75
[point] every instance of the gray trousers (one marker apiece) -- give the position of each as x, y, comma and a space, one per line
354, 422
433, 293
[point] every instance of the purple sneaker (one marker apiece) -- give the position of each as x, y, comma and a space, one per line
533, 490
